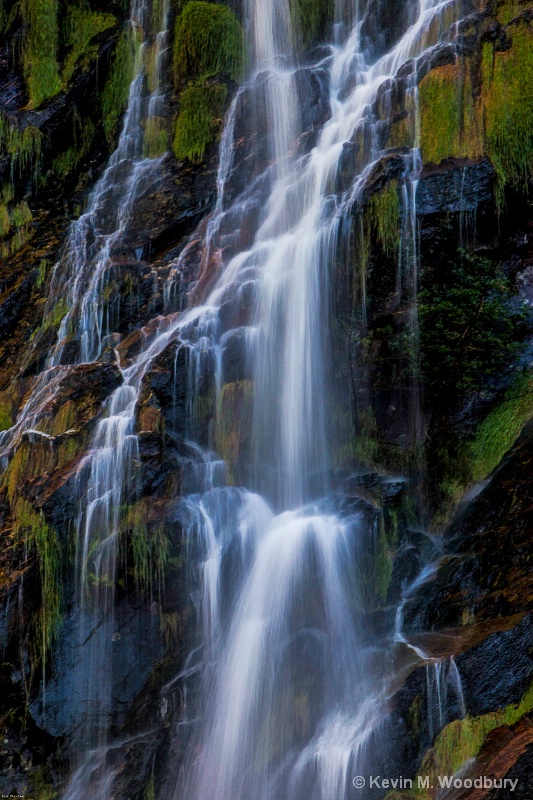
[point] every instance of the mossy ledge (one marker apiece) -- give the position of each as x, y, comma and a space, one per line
459, 742
495, 119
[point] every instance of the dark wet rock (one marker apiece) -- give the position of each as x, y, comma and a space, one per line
391, 167
498, 671
130, 668
383, 24
455, 186
171, 205
235, 362
483, 582
521, 776
312, 86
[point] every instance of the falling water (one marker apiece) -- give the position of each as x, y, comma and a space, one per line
287, 699
107, 475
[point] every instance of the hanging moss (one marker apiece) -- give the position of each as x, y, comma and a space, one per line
366, 443
501, 428
30, 526
450, 119
40, 50
24, 146
311, 19
508, 109
116, 90
199, 120
149, 547
155, 137
383, 217
81, 27
207, 40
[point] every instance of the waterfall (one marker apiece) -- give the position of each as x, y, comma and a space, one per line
287, 697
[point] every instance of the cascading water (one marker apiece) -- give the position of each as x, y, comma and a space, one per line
290, 700
287, 697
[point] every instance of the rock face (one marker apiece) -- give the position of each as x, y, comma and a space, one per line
417, 432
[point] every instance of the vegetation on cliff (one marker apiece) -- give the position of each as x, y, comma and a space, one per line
468, 110
208, 44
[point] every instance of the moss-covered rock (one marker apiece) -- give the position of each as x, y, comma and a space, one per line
233, 423
40, 49
116, 91
199, 120
207, 40
312, 19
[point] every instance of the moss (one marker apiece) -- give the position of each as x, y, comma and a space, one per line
208, 40
149, 547
116, 90
6, 414
366, 445
82, 26
383, 217
450, 120
53, 318
149, 791
65, 419
21, 215
40, 49
41, 274
382, 565
414, 714
233, 420
508, 109
7, 192
311, 19
155, 137
5, 221
24, 146
16, 471
462, 740
501, 428
67, 162
507, 10
199, 120
30, 526
41, 788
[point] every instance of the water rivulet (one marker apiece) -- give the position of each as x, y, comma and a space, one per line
285, 691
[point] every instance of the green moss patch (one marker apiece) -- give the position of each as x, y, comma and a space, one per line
383, 217
116, 90
208, 40
499, 431
199, 121
40, 49
155, 137
508, 109
450, 122
81, 27
234, 416
30, 526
